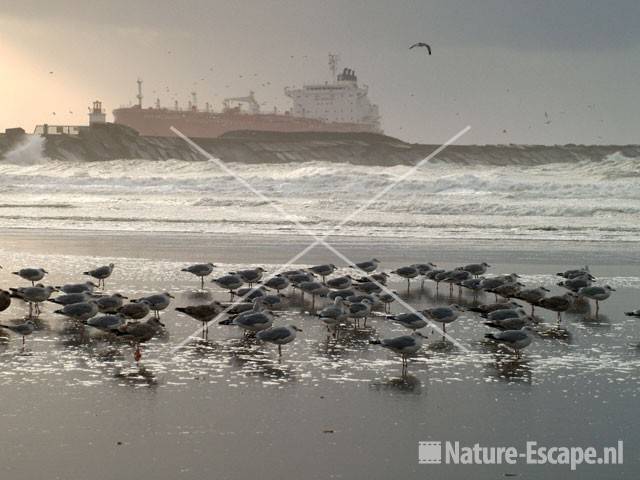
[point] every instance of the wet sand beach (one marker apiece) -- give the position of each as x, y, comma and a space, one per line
76, 405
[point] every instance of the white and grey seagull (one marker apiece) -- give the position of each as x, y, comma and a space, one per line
279, 335
200, 270
32, 275
101, 273
24, 329
516, 340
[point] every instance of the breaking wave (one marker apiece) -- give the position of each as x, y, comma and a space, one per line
601, 200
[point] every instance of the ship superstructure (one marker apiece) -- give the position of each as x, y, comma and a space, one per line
337, 102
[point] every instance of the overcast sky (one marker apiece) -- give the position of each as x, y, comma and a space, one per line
497, 65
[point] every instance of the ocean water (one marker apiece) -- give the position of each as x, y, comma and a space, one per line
552, 200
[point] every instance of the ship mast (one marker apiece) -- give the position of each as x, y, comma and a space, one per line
139, 96
194, 101
333, 65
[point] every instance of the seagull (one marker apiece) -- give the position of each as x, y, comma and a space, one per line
558, 304
323, 270
106, 323
532, 296
255, 320
492, 307
313, 288
249, 294
597, 294
512, 323
101, 273
576, 283
296, 278
387, 299
70, 298
32, 275
79, 311
473, 284
335, 313
508, 290
443, 315
23, 329
135, 310
476, 269
423, 269
279, 335
408, 273
78, 287
421, 44
456, 277
273, 301
358, 310
504, 313
368, 287
110, 303
577, 272
203, 313
229, 282
339, 283
139, 332
514, 339
250, 276
277, 282
33, 295
157, 302
403, 346
512, 319
200, 270
411, 320
369, 266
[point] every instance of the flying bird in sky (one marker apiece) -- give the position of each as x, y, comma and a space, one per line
420, 44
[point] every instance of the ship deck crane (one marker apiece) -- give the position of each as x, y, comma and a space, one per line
250, 100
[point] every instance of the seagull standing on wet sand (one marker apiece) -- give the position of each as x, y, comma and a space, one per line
279, 335
34, 296
101, 273
369, 266
516, 340
250, 276
23, 329
443, 315
597, 294
32, 275
229, 282
79, 311
403, 346
408, 273
200, 270
558, 304
203, 313
323, 270
157, 302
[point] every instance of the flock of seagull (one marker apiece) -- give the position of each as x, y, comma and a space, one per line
352, 300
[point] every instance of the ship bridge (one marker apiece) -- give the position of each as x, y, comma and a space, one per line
342, 101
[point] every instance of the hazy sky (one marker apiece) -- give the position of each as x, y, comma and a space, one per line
497, 65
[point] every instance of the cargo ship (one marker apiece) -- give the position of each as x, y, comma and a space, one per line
341, 105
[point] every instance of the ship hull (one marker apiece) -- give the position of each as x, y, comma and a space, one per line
158, 122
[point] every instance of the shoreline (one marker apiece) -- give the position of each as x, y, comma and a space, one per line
278, 248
